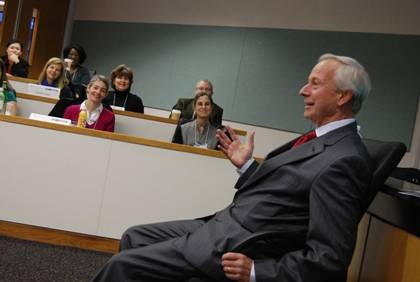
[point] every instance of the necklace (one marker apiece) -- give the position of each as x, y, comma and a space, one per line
125, 102
195, 135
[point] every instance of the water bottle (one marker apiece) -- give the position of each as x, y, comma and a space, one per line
81, 122
2, 100
5, 91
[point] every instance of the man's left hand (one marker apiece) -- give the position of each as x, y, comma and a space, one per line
237, 267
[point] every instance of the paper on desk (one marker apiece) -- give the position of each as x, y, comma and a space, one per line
46, 118
41, 90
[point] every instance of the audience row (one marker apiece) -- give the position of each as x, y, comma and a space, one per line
199, 117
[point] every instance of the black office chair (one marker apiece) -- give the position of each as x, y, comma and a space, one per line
385, 157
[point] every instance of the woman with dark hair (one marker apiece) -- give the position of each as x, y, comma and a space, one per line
13, 61
198, 132
121, 81
97, 117
9, 103
77, 75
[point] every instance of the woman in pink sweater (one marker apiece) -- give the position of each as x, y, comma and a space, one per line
98, 117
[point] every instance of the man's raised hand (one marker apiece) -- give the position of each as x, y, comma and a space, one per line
232, 147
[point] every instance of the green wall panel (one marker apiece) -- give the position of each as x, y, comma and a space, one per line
257, 73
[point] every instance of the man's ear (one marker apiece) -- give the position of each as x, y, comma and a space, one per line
344, 97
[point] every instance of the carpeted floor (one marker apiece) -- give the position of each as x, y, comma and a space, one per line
27, 261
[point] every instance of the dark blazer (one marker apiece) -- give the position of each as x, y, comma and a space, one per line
68, 97
20, 69
186, 106
80, 77
315, 193
78, 82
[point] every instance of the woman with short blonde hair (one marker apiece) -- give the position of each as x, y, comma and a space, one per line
97, 117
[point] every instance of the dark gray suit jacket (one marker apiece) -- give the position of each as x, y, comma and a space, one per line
316, 193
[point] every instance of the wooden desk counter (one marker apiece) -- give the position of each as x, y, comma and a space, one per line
99, 183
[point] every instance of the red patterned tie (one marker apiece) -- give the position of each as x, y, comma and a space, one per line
305, 138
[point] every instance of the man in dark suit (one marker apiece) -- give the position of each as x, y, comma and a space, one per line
186, 105
315, 193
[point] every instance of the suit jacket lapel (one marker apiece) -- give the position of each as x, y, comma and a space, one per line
304, 151
285, 154
281, 149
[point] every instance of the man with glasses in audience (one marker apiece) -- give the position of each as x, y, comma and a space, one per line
186, 105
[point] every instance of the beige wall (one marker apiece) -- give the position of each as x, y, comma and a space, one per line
357, 15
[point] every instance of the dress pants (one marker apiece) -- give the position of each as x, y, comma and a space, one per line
147, 253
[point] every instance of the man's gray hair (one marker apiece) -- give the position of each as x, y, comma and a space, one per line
351, 75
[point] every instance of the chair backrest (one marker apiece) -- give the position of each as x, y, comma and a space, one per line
385, 157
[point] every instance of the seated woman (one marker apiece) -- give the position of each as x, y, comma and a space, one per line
13, 61
53, 75
198, 132
77, 75
121, 81
98, 117
9, 106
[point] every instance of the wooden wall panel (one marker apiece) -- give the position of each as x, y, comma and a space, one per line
391, 255
50, 36
412, 260
356, 262
52, 22
8, 23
